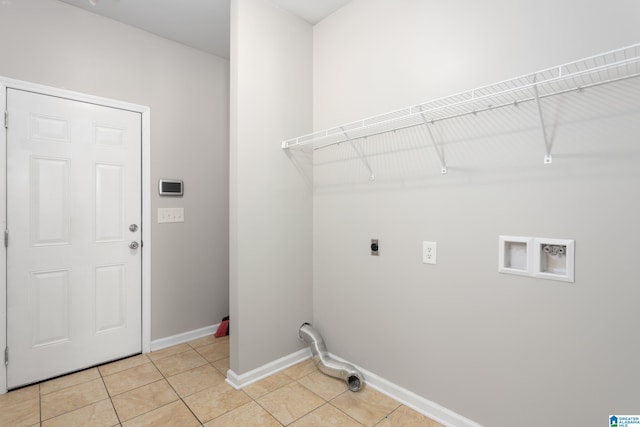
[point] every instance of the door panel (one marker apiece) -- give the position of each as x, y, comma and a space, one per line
49, 293
73, 188
110, 203
110, 288
50, 210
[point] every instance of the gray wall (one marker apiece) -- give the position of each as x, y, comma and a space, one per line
270, 194
499, 349
55, 44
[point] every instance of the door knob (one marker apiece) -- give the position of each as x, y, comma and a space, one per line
134, 245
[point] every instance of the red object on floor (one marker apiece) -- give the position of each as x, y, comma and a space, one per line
222, 329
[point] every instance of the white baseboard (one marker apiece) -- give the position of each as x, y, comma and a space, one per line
408, 398
161, 343
418, 403
243, 380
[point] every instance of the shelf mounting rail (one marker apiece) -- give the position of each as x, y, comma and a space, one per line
608, 67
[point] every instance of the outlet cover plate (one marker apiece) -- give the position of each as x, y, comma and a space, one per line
429, 253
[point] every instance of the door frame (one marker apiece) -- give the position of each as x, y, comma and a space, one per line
6, 83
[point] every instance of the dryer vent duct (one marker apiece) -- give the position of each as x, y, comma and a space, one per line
325, 363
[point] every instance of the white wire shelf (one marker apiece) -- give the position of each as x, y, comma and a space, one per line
596, 70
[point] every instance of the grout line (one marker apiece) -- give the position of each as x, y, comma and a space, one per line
170, 355
291, 381
165, 378
40, 404
330, 403
344, 413
110, 397
180, 398
74, 409
297, 381
266, 410
134, 388
65, 376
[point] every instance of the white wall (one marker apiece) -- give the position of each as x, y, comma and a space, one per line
501, 350
270, 196
55, 44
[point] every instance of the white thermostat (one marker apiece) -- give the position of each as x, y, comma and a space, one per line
171, 187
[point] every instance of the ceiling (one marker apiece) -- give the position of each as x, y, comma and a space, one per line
201, 24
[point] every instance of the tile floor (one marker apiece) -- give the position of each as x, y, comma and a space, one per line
184, 386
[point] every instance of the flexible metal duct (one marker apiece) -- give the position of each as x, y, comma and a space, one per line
325, 363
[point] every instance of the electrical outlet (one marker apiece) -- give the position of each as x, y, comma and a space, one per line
375, 247
429, 252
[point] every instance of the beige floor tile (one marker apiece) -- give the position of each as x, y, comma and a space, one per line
407, 417
99, 414
209, 339
180, 362
300, 396
222, 339
72, 398
290, 402
248, 415
174, 414
123, 364
195, 380
323, 385
366, 406
214, 352
20, 408
326, 415
69, 380
169, 351
143, 399
222, 365
267, 385
131, 378
215, 401
301, 369
19, 395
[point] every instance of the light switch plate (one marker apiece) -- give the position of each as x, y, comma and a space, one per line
170, 215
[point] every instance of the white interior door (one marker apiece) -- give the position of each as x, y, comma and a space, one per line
73, 209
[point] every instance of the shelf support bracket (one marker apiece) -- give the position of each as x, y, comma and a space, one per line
547, 144
439, 150
359, 153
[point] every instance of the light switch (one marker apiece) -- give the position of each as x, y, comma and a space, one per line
170, 215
